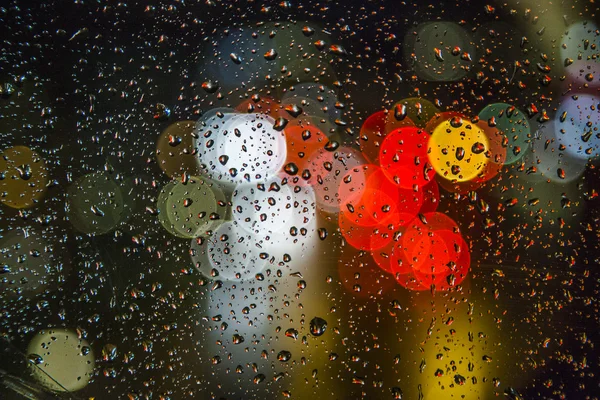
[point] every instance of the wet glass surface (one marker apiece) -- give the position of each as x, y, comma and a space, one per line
264, 200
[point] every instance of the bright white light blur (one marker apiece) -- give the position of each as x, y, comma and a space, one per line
263, 208
233, 253
232, 250
240, 148
299, 237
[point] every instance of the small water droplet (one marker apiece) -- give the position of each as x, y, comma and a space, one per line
24, 172
322, 233
308, 31
400, 112
293, 110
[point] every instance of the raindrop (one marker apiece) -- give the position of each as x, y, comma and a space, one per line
291, 168
284, 356
35, 359
332, 145
238, 339
318, 326
308, 31
210, 86
24, 172
400, 112
280, 124
322, 233
235, 58
293, 110
477, 148
271, 55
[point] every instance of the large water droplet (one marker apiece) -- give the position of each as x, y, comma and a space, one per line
318, 326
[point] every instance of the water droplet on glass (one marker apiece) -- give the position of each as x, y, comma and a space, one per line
284, 356
280, 124
318, 326
210, 86
235, 58
35, 359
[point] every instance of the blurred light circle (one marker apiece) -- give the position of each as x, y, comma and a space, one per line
298, 57
95, 204
496, 45
176, 150
240, 148
431, 251
455, 270
382, 255
513, 124
263, 208
431, 197
26, 263
418, 110
233, 253
364, 237
419, 243
302, 142
441, 117
316, 100
585, 72
207, 135
579, 49
495, 154
457, 149
298, 238
578, 126
403, 157
549, 161
327, 169
192, 207
439, 51
23, 177
162, 210
373, 132
60, 360
259, 105
369, 198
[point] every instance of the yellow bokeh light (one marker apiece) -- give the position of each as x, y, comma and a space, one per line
457, 150
24, 177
